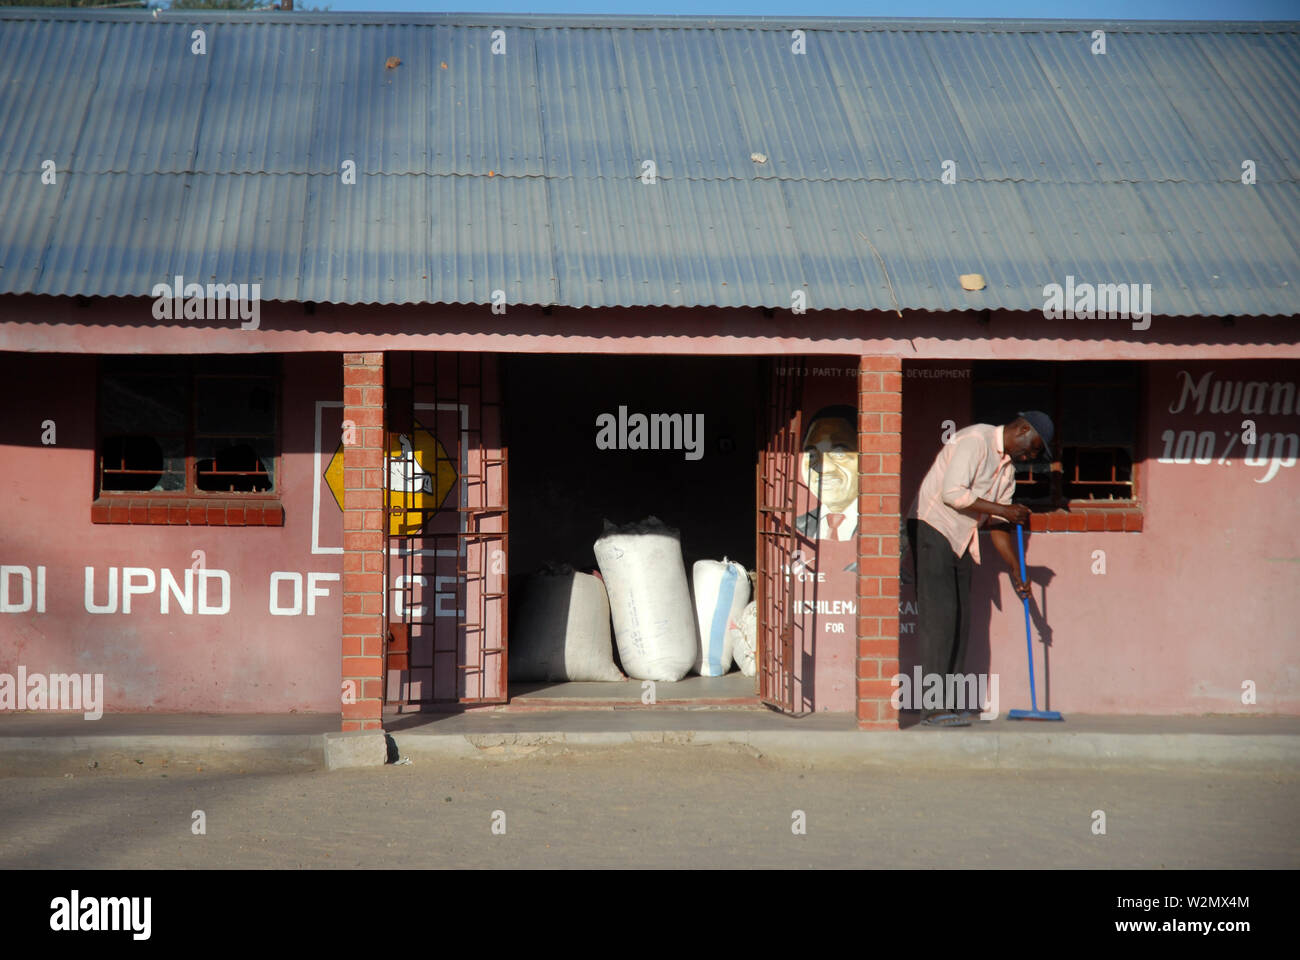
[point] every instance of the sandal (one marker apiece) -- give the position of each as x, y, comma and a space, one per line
946, 720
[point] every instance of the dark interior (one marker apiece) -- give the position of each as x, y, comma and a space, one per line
563, 489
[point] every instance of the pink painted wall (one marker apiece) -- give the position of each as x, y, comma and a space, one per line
56, 324
1205, 597
244, 661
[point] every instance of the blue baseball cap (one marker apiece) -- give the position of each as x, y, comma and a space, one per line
1042, 425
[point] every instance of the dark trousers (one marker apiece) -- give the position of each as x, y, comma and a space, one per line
942, 605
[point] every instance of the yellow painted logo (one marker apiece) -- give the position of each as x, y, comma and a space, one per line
420, 475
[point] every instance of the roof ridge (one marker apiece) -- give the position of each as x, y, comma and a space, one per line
661, 22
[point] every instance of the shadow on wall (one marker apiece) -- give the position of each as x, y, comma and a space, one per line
990, 590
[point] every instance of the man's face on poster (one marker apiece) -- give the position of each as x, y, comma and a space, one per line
830, 463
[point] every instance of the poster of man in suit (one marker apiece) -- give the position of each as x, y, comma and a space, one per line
824, 562
829, 469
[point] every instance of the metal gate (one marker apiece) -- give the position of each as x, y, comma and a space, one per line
446, 542
780, 439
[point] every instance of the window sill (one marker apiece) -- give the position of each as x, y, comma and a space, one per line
188, 511
1087, 518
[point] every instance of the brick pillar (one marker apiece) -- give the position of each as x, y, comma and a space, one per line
880, 446
363, 539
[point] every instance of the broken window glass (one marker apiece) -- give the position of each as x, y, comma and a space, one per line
154, 411
234, 464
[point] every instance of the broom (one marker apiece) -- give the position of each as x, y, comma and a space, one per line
1035, 713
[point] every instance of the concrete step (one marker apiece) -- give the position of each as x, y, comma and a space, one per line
57, 745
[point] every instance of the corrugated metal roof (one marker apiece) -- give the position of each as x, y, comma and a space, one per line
520, 172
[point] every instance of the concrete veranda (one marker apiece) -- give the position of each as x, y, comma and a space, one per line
37, 744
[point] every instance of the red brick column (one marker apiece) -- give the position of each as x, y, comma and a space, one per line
880, 447
364, 451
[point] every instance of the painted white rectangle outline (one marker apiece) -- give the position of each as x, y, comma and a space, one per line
394, 550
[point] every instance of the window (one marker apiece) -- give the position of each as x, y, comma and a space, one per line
173, 429
1094, 406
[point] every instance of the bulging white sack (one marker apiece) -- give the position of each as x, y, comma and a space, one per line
744, 643
645, 577
561, 630
721, 592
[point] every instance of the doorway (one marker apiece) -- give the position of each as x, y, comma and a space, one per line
577, 463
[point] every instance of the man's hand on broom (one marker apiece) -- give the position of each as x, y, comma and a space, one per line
1015, 513
1018, 514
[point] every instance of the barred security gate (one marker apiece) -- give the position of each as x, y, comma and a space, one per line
447, 535
780, 436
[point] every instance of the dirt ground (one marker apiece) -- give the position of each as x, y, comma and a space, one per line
651, 806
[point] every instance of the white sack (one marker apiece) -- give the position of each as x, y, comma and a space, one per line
645, 577
744, 634
561, 630
721, 592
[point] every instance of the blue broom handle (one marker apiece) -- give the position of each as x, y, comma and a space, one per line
1029, 646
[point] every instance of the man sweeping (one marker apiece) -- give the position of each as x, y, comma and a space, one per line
971, 482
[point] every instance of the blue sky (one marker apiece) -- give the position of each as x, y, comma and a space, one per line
966, 9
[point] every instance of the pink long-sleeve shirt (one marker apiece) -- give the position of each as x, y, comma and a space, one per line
973, 465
